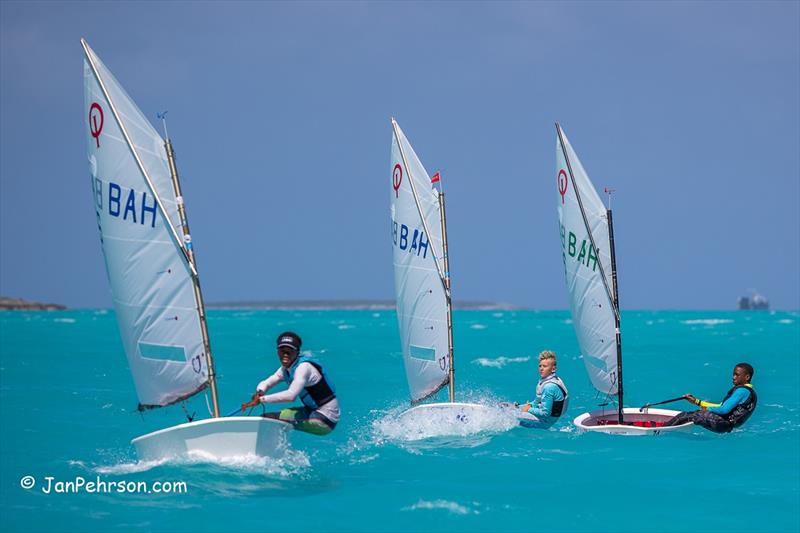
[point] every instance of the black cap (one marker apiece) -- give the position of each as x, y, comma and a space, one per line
290, 339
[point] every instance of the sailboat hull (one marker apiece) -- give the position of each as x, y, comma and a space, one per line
605, 421
217, 437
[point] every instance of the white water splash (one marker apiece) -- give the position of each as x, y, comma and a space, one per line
471, 423
500, 362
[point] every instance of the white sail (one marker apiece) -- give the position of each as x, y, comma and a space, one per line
149, 274
418, 270
592, 308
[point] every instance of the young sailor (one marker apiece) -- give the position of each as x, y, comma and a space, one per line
732, 412
320, 411
551, 394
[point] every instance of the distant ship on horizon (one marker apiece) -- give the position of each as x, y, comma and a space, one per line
755, 302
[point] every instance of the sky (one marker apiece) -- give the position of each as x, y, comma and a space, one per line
280, 118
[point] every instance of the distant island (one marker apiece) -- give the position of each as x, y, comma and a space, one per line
13, 304
345, 304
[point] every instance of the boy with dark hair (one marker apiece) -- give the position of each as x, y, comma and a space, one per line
732, 412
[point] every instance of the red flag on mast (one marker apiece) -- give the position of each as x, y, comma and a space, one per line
435, 178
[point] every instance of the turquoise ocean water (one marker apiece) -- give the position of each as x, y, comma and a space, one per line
67, 411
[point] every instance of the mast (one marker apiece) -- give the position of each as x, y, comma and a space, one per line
616, 306
611, 293
451, 388
198, 295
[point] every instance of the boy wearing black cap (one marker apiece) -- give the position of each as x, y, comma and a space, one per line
306, 379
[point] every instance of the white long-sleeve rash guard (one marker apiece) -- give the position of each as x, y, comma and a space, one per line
304, 376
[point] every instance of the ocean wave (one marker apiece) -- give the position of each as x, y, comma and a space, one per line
786, 321
446, 505
708, 321
345, 326
500, 362
477, 326
65, 320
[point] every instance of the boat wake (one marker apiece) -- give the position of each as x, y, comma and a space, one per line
289, 465
449, 425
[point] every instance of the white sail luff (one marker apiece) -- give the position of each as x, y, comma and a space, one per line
396, 127
587, 264
150, 277
89, 56
599, 214
419, 285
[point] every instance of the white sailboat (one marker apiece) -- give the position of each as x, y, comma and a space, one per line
153, 275
587, 245
422, 287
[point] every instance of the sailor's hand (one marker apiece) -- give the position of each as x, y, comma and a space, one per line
690, 398
256, 395
525, 408
251, 403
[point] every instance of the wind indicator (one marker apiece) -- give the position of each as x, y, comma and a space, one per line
609, 191
163, 118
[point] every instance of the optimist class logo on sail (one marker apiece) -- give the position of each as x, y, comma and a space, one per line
397, 179
402, 237
562, 184
95, 127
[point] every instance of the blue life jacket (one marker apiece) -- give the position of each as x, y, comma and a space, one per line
313, 396
559, 406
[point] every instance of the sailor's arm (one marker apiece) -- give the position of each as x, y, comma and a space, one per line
270, 382
297, 385
698, 402
261, 388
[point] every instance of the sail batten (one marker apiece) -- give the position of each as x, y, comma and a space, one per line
585, 244
419, 285
149, 272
